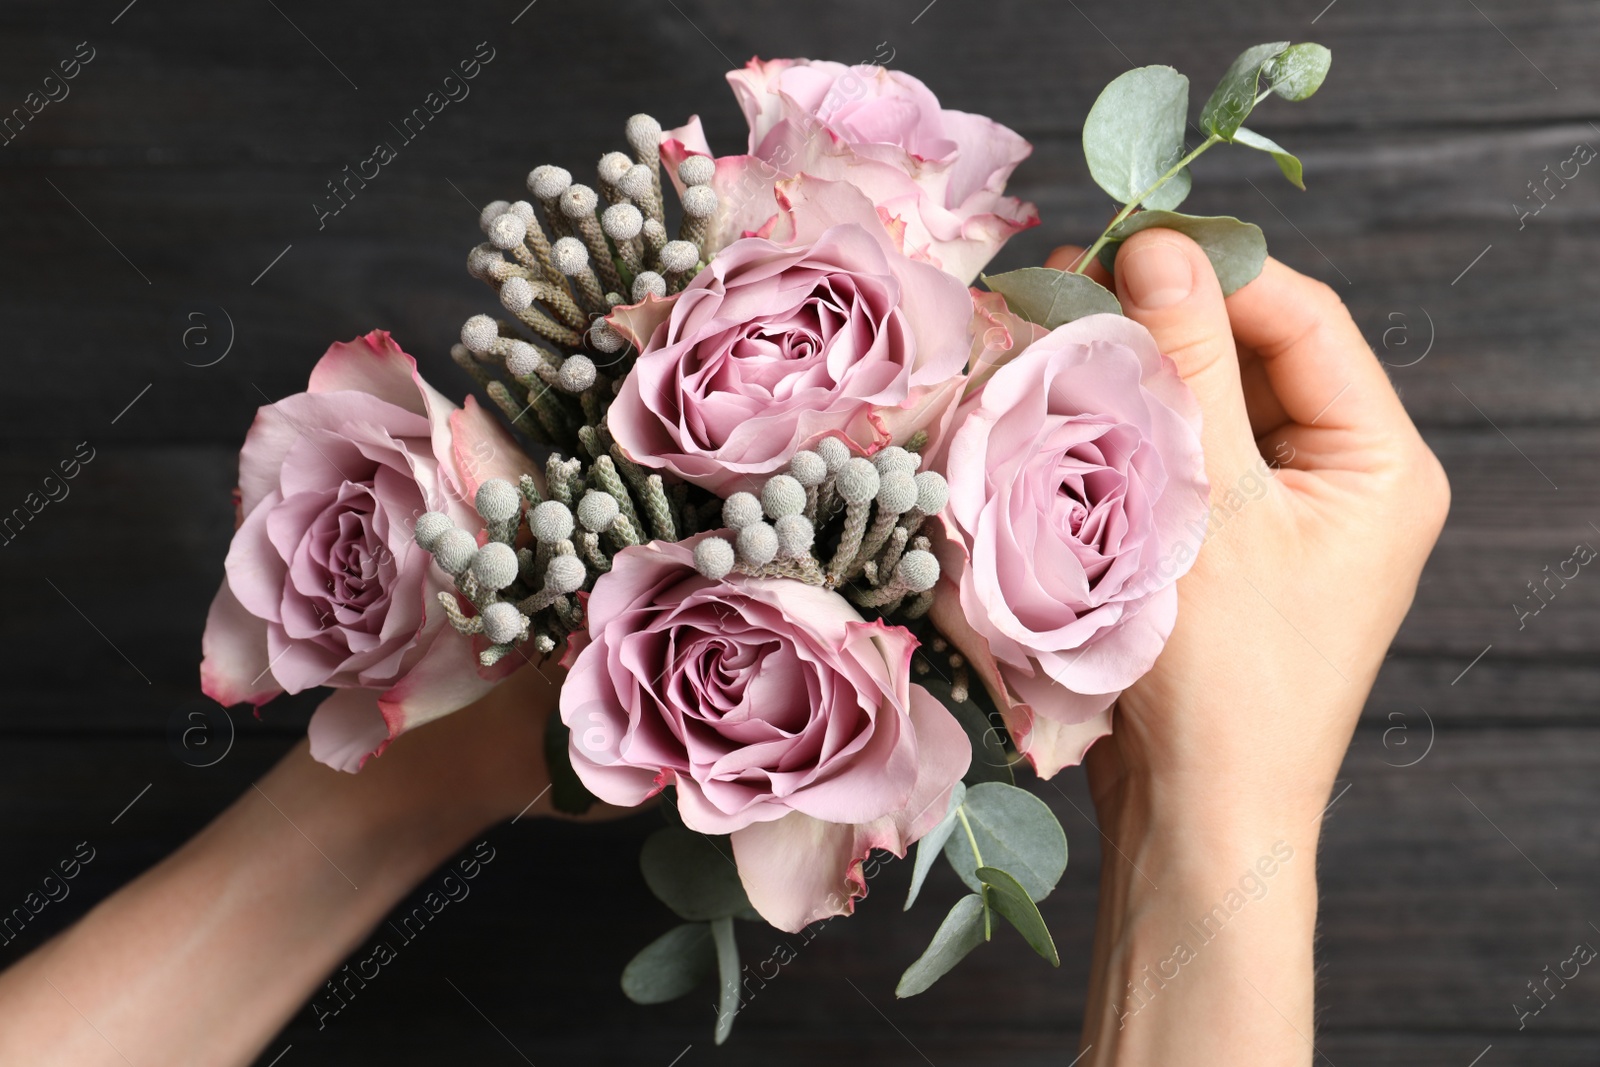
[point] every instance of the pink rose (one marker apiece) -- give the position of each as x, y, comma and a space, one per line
1076, 480
324, 584
826, 330
942, 172
781, 717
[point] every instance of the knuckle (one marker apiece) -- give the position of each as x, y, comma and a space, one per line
1325, 298
1428, 489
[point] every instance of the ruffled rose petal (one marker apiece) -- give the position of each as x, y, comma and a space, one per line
799, 869
482, 449
234, 664
443, 680
1051, 745
347, 729
372, 364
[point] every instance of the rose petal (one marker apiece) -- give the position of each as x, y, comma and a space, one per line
235, 668
346, 729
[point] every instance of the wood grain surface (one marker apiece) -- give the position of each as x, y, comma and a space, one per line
1461, 853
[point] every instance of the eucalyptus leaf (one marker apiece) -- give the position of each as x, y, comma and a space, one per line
728, 1003
1286, 160
1134, 134
1052, 297
1174, 191
671, 965
1015, 831
1235, 95
1299, 72
1236, 249
567, 791
932, 842
1010, 899
692, 875
959, 934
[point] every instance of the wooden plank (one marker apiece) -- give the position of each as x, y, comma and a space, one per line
259, 81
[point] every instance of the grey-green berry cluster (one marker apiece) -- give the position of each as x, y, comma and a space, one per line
878, 505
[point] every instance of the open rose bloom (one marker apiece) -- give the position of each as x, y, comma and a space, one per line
324, 585
941, 173
1076, 480
779, 714
827, 328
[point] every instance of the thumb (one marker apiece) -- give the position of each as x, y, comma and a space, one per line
1166, 284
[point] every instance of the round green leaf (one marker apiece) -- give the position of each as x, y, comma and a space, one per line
728, 1001
1172, 193
1052, 297
1236, 249
692, 875
1299, 71
1235, 95
1134, 134
932, 842
1016, 832
959, 934
1286, 160
671, 965
1010, 899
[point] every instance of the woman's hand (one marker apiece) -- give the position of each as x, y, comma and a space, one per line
1325, 505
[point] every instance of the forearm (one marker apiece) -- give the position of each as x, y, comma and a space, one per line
1203, 944
205, 956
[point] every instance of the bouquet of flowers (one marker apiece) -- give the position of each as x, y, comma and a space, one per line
826, 541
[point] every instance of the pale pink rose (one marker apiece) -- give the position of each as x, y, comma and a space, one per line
1076, 483
826, 330
942, 172
324, 585
780, 716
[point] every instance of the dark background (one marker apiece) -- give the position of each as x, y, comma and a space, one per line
185, 162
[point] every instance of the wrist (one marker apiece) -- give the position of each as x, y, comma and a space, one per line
1213, 785
1205, 892
1194, 928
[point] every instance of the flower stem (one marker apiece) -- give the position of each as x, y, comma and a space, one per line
961, 813
1100, 242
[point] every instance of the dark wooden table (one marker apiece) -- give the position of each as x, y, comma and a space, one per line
179, 177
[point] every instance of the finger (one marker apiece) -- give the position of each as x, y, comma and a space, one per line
1266, 410
1319, 367
1066, 257
1166, 284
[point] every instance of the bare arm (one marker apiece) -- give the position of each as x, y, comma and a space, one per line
204, 957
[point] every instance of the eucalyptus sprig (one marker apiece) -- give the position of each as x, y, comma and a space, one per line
1010, 852
1135, 145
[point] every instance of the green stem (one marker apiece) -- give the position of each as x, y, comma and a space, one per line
961, 813
1128, 209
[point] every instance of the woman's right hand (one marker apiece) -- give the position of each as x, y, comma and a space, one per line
1325, 505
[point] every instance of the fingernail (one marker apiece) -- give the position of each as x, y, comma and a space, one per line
1156, 275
